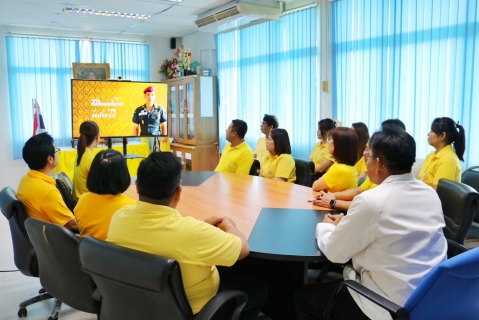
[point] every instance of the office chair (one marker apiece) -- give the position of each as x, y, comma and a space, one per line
23, 252
140, 285
65, 186
449, 291
254, 168
60, 269
471, 177
459, 204
304, 170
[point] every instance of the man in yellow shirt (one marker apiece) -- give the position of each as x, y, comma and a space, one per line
154, 226
269, 123
237, 156
37, 189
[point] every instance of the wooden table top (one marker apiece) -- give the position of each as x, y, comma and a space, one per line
237, 196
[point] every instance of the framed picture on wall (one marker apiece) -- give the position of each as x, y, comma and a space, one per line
91, 71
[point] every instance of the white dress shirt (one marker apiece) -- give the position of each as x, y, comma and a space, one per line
393, 234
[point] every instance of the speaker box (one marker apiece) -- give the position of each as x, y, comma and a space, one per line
173, 43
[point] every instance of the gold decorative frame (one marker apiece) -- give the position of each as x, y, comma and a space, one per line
91, 71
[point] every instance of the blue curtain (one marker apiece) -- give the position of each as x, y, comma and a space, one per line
410, 59
271, 68
42, 68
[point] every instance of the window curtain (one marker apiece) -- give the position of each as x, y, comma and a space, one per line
41, 68
412, 60
271, 68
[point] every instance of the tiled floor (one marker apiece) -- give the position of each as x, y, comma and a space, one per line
15, 287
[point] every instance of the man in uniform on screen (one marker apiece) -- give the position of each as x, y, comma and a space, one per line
149, 119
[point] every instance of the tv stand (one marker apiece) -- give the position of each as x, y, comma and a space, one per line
127, 156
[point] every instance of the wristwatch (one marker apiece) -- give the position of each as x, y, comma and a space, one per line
332, 203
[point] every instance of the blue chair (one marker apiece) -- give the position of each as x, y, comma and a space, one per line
449, 291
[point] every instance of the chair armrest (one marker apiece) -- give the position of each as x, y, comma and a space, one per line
212, 307
396, 311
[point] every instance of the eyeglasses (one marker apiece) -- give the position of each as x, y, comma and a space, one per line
366, 155
57, 150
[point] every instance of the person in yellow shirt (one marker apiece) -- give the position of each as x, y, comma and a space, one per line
89, 138
269, 123
363, 137
444, 161
107, 180
279, 165
154, 226
343, 145
37, 189
321, 157
237, 156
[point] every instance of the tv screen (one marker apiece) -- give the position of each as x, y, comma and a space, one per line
120, 108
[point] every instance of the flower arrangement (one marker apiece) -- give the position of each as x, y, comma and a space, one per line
168, 67
173, 68
184, 57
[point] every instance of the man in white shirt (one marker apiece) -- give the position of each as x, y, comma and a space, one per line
393, 234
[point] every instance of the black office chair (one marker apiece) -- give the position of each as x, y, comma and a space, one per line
65, 186
60, 269
304, 170
254, 168
140, 285
459, 204
23, 252
471, 178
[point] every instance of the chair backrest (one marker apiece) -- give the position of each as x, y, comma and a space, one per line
254, 168
459, 204
449, 291
16, 214
471, 178
304, 170
66, 195
65, 179
60, 269
135, 284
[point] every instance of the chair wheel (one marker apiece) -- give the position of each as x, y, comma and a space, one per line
22, 312
41, 291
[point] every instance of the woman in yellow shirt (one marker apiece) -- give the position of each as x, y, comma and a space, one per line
279, 164
363, 137
107, 180
89, 138
343, 145
320, 156
444, 162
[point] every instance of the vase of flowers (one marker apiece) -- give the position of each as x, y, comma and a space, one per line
168, 67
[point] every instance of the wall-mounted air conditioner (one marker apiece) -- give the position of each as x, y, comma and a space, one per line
260, 9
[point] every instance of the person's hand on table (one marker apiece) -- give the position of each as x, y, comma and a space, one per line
323, 199
226, 223
214, 221
333, 219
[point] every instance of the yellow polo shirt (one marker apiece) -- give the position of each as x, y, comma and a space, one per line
93, 212
281, 166
81, 173
260, 151
361, 166
43, 201
444, 164
196, 245
341, 177
320, 152
237, 160
368, 184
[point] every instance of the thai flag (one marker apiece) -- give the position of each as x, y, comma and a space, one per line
38, 126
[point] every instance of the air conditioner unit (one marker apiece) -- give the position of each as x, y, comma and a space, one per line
260, 9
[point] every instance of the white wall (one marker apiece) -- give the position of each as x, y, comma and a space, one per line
11, 171
199, 41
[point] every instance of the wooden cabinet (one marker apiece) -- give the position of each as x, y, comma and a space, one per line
193, 121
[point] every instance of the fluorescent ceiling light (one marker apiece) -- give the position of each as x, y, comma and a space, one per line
107, 13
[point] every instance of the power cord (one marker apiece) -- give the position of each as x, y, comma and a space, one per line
8, 270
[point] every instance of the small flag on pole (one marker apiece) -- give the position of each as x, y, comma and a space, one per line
38, 126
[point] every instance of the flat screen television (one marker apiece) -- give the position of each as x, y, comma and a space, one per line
119, 107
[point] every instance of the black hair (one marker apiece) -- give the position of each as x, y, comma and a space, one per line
88, 132
326, 125
37, 149
345, 145
281, 141
455, 134
159, 176
363, 136
240, 127
271, 120
396, 149
108, 173
393, 124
